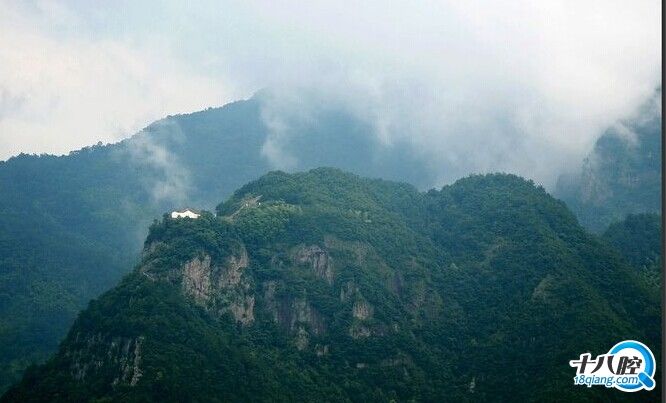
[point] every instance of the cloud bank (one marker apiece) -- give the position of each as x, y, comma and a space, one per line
61, 89
474, 86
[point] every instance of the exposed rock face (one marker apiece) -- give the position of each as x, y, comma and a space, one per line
151, 248
98, 353
359, 250
358, 330
196, 279
364, 255
294, 314
221, 289
321, 350
347, 291
542, 291
297, 315
302, 339
243, 309
472, 385
136, 370
318, 259
234, 270
269, 299
234, 289
301, 312
362, 310
226, 289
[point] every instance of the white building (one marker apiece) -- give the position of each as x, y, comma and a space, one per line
185, 213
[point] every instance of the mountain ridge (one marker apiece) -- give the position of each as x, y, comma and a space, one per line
336, 287
71, 226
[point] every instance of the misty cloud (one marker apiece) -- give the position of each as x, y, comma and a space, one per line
475, 88
524, 87
165, 178
61, 88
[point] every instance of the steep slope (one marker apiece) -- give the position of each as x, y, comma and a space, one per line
622, 175
71, 226
540, 287
325, 286
638, 238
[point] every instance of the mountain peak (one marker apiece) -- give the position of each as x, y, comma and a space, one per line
324, 285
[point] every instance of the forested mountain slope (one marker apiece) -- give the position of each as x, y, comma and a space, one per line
72, 226
639, 239
326, 286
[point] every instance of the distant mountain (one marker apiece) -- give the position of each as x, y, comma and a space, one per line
323, 286
622, 175
71, 226
638, 238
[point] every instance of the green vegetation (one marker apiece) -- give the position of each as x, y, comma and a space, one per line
331, 287
72, 226
638, 238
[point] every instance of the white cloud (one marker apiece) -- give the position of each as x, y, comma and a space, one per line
522, 86
60, 90
163, 175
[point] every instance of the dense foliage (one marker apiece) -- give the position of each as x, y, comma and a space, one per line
362, 290
638, 238
71, 226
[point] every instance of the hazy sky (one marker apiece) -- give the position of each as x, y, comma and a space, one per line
519, 86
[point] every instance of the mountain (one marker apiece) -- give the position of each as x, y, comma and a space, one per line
622, 175
323, 285
71, 226
639, 240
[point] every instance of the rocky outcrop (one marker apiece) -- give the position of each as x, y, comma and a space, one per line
196, 279
318, 259
295, 315
347, 291
358, 250
135, 370
221, 288
362, 324
302, 338
99, 354
233, 272
362, 310
242, 309
234, 289
543, 290
359, 330
299, 312
321, 350
270, 304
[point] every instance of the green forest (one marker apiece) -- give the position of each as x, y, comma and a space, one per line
326, 286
